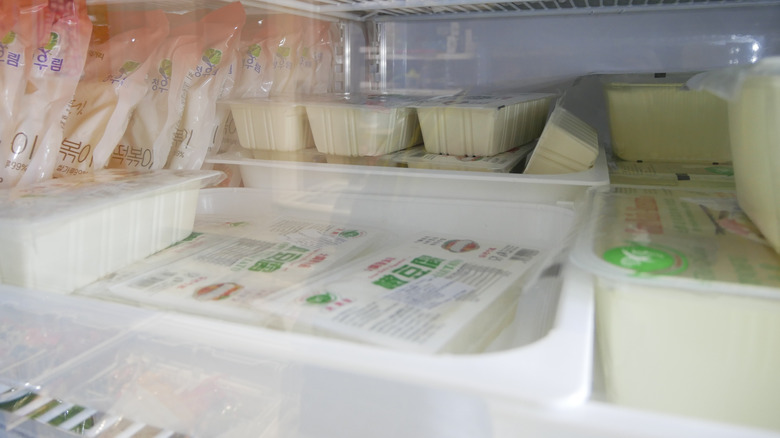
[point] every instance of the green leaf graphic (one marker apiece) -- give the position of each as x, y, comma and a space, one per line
54, 39
165, 67
255, 50
129, 67
9, 38
212, 56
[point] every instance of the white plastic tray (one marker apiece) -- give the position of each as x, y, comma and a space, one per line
342, 178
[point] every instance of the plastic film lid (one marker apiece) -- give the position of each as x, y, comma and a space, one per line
494, 101
367, 101
59, 198
726, 82
692, 240
659, 79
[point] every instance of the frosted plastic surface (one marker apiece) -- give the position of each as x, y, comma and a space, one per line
272, 125
567, 145
418, 158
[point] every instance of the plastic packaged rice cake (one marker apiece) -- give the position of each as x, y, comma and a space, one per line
430, 293
226, 267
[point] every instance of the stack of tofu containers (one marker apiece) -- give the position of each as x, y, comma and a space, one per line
684, 250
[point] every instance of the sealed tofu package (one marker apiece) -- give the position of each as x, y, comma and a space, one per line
655, 118
228, 269
687, 303
430, 293
753, 97
683, 175
363, 125
482, 125
418, 157
60, 234
567, 145
271, 124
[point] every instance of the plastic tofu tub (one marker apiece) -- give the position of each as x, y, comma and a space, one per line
687, 304
567, 145
418, 158
753, 97
657, 119
482, 125
363, 125
681, 175
61, 234
272, 124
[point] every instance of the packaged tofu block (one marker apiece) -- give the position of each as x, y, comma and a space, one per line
429, 293
567, 145
60, 234
482, 125
655, 118
687, 303
681, 175
229, 269
271, 124
418, 157
363, 125
753, 97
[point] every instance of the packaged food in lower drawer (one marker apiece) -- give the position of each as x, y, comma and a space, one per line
692, 176
687, 304
363, 125
64, 233
654, 117
482, 125
418, 158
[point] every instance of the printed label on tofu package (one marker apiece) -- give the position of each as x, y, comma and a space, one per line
419, 295
236, 264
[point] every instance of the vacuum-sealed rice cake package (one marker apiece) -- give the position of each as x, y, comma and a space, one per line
23, 34
285, 31
254, 74
8, 14
217, 36
429, 293
114, 82
53, 72
314, 59
149, 136
228, 269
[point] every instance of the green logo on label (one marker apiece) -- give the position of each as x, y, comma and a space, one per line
166, 66
718, 170
212, 56
255, 50
350, 233
645, 259
325, 298
54, 38
9, 38
129, 67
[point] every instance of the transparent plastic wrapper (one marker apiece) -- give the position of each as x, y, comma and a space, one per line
113, 84
418, 157
217, 39
687, 308
229, 269
314, 65
254, 74
64, 233
654, 117
9, 12
567, 145
285, 36
482, 125
53, 71
430, 293
363, 125
753, 97
149, 136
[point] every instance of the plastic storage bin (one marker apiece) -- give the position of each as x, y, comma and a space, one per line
656, 119
482, 125
358, 126
273, 124
567, 145
753, 96
687, 308
61, 234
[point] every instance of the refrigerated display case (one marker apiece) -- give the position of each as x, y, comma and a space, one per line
145, 351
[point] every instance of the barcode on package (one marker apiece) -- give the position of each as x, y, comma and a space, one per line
525, 255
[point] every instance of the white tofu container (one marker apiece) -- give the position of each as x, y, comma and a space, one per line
61, 234
482, 125
418, 158
687, 304
363, 125
567, 145
753, 96
271, 124
657, 119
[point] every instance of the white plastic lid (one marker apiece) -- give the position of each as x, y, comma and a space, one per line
692, 240
56, 199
